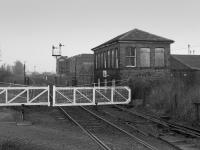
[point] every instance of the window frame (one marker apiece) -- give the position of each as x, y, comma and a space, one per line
112, 58
157, 66
149, 57
108, 52
99, 61
135, 57
102, 61
105, 59
116, 58
96, 61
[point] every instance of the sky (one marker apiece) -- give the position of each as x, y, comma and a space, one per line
29, 28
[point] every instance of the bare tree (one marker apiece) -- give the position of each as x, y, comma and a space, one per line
18, 68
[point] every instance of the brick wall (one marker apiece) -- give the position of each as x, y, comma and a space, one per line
150, 74
138, 45
112, 72
124, 72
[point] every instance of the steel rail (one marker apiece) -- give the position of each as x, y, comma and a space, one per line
92, 136
173, 126
144, 143
147, 134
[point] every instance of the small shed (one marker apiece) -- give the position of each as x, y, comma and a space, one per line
185, 68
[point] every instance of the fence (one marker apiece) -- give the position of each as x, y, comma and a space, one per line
64, 96
14, 96
74, 96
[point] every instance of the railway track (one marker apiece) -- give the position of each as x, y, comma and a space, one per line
106, 134
174, 126
175, 134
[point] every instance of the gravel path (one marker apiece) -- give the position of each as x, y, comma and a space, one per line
46, 133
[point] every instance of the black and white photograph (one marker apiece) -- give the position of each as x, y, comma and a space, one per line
99, 75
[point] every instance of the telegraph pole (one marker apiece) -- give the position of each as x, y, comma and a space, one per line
56, 52
75, 71
24, 73
189, 51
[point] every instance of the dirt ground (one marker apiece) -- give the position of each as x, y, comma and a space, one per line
49, 131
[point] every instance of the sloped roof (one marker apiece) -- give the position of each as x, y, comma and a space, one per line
191, 61
62, 58
136, 35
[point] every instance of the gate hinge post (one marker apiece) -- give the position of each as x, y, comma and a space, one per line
112, 92
94, 97
74, 95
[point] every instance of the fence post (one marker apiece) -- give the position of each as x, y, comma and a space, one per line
27, 95
54, 96
112, 94
6, 95
74, 97
94, 97
49, 98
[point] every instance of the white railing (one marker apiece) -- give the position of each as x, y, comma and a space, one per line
75, 96
15, 96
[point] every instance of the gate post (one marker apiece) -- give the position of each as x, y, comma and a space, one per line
22, 111
6, 95
49, 96
112, 94
74, 96
27, 95
94, 97
53, 95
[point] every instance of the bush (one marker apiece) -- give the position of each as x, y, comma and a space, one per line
9, 145
174, 98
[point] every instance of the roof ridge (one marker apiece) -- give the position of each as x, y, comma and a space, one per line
126, 33
135, 35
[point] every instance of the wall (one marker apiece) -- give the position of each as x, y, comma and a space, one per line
138, 45
83, 64
113, 73
123, 72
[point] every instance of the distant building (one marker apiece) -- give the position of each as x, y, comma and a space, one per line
61, 68
135, 53
186, 68
76, 70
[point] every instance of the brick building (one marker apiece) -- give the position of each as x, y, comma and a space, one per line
186, 68
61, 67
76, 70
132, 54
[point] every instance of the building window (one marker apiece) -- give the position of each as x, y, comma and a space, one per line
116, 58
113, 58
105, 60
131, 57
96, 65
159, 57
108, 59
102, 60
98, 61
145, 57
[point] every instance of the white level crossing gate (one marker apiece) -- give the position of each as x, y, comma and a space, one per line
64, 96
75, 96
15, 96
